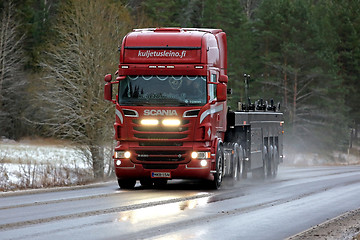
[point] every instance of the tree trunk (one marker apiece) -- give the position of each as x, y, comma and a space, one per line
97, 156
295, 102
285, 82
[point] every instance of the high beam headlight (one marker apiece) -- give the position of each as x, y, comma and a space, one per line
149, 122
122, 154
171, 122
201, 155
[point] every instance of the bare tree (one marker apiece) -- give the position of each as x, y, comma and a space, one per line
11, 63
74, 66
249, 7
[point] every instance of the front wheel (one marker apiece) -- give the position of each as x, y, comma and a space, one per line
126, 183
218, 175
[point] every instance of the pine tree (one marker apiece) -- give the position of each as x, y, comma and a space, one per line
299, 65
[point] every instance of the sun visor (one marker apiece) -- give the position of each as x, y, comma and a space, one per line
162, 54
163, 47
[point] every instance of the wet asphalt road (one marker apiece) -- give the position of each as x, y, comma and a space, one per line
273, 209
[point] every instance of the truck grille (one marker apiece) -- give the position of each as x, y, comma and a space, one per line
161, 133
160, 156
160, 166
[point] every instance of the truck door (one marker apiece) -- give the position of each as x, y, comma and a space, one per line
217, 109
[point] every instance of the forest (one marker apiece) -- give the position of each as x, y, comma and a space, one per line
304, 54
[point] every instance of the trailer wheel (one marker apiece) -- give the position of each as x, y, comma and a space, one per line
242, 167
236, 166
218, 175
126, 183
260, 173
276, 160
270, 162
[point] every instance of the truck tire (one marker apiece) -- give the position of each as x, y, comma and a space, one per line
276, 159
160, 183
146, 182
126, 183
218, 175
270, 162
232, 174
260, 173
242, 167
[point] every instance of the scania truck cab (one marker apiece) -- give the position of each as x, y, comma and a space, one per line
171, 108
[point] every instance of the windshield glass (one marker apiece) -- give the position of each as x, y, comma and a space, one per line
163, 90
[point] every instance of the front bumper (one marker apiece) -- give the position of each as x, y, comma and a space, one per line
192, 170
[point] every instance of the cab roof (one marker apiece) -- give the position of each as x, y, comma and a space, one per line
168, 37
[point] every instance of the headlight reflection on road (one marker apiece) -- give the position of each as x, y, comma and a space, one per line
162, 213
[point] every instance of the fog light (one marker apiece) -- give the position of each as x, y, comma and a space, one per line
118, 162
203, 163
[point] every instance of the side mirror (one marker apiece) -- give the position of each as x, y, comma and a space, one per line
221, 91
108, 78
108, 91
223, 79
119, 78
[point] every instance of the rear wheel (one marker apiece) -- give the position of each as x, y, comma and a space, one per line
242, 168
276, 160
126, 183
260, 173
232, 174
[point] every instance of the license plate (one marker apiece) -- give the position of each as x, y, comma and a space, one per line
160, 175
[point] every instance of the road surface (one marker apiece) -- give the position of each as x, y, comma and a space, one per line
273, 209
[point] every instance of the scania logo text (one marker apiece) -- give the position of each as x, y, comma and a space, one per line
154, 112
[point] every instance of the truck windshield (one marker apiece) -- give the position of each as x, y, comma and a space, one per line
163, 90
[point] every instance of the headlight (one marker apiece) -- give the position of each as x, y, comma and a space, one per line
149, 122
171, 122
200, 155
122, 154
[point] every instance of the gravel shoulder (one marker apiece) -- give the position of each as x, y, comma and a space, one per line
346, 227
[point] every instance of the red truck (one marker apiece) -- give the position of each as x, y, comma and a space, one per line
172, 119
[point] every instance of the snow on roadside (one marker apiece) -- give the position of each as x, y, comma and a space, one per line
14, 152
41, 164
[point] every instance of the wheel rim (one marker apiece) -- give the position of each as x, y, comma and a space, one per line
220, 169
241, 164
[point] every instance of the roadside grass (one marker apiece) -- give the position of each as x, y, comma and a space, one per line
42, 164
298, 158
